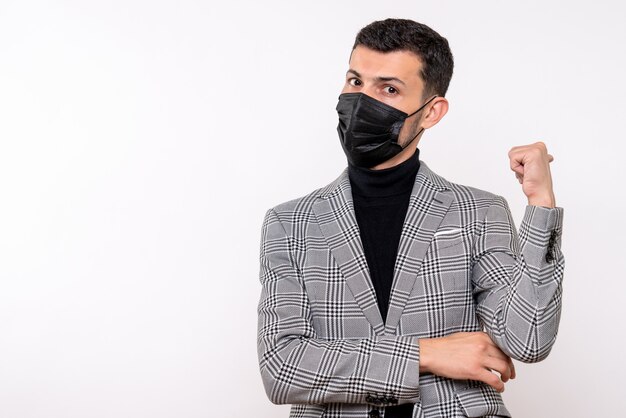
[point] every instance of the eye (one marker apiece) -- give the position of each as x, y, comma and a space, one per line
391, 90
354, 82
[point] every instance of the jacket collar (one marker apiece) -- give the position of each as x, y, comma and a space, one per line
428, 178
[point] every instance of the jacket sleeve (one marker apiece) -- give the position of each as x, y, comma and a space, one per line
297, 366
518, 279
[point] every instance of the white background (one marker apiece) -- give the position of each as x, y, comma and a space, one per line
143, 141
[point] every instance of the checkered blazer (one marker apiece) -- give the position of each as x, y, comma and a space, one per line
461, 266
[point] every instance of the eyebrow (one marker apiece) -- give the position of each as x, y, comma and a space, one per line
379, 78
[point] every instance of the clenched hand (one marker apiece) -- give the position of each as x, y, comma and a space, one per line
531, 164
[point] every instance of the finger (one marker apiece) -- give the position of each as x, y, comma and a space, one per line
498, 353
516, 166
512, 365
520, 177
550, 158
499, 365
520, 149
491, 379
495, 352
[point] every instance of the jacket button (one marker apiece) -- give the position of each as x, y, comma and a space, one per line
374, 413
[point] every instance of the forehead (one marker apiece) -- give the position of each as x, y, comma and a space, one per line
404, 65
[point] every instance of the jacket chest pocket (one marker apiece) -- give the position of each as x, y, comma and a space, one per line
447, 262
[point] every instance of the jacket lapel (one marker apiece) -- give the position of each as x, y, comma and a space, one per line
335, 214
429, 203
334, 210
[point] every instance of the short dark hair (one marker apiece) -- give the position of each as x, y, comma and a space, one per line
404, 34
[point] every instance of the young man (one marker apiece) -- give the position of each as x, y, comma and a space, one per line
392, 292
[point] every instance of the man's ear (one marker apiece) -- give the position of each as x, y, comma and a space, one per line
437, 110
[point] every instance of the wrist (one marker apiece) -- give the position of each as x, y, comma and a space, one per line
546, 200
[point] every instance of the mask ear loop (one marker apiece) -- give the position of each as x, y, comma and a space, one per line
420, 131
422, 106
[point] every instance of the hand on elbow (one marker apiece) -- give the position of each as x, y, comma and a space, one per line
466, 355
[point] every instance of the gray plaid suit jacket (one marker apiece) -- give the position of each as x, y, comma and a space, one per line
461, 266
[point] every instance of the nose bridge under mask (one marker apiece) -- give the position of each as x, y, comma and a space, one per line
362, 103
365, 104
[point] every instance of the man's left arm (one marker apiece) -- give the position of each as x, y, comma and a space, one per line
518, 277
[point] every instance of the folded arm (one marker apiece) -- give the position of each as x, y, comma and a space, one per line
299, 367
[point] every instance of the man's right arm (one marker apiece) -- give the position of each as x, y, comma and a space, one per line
298, 367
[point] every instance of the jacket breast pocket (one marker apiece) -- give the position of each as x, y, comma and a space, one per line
449, 237
481, 401
447, 261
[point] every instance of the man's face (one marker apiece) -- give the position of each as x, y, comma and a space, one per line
392, 78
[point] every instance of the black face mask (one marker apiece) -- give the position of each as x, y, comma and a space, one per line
368, 129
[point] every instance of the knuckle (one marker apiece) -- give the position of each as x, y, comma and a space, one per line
495, 381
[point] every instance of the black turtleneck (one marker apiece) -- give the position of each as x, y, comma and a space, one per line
381, 199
